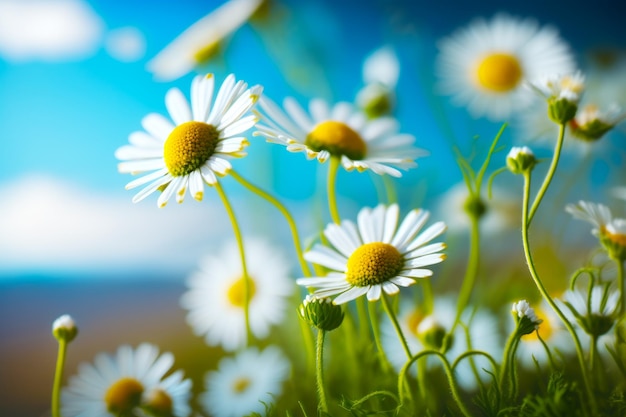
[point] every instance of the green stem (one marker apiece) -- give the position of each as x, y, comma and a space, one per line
242, 254
548, 179
323, 406
620, 284
362, 313
429, 298
396, 325
506, 358
332, 197
449, 375
471, 272
58, 378
546, 296
371, 309
292, 224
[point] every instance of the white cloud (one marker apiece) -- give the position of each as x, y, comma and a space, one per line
50, 225
48, 30
125, 44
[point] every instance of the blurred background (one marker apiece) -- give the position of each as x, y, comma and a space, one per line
74, 83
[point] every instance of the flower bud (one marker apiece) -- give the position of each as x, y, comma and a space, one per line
432, 334
64, 328
591, 124
321, 313
376, 100
527, 321
562, 92
520, 160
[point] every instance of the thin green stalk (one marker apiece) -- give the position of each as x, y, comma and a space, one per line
396, 325
429, 298
361, 311
58, 378
246, 278
332, 195
548, 179
506, 358
546, 296
371, 309
292, 224
620, 284
449, 374
471, 272
323, 406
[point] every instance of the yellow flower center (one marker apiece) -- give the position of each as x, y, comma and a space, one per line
338, 139
241, 384
237, 292
160, 402
123, 396
189, 146
546, 330
373, 263
499, 72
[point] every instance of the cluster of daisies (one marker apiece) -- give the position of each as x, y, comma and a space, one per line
490, 67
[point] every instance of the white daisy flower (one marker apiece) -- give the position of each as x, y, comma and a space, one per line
339, 131
420, 330
125, 384
202, 40
381, 70
534, 125
610, 231
600, 303
194, 149
242, 384
215, 299
553, 334
560, 86
375, 255
483, 65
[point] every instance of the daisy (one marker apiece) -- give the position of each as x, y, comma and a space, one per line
375, 255
241, 385
197, 146
380, 75
340, 131
201, 41
422, 329
553, 333
595, 312
610, 231
483, 65
533, 125
215, 299
131, 381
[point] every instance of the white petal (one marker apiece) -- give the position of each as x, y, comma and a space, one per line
351, 294
391, 221
374, 293
412, 224
428, 235
327, 257
177, 106
157, 126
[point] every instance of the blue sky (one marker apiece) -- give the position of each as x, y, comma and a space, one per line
66, 106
